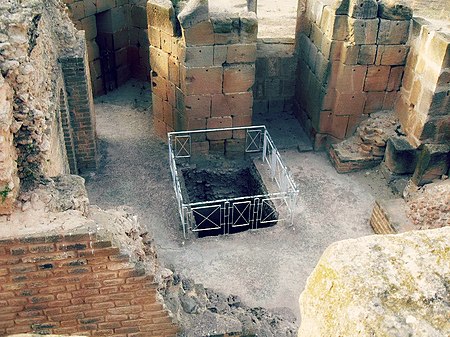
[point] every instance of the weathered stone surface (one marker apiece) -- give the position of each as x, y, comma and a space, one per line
161, 14
400, 157
194, 12
394, 10
433, 162
394, 285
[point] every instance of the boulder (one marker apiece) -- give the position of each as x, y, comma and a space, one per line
384, 285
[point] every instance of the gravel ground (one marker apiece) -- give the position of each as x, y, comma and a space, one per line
265, 268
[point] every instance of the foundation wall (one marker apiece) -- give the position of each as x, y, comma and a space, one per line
424, 103
351, 57
274, 87
203, 70
77, 284
116, 39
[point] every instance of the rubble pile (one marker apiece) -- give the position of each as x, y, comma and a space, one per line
428, 207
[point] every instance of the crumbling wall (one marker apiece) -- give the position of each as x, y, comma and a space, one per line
91, 275
116, 39
203, 69
351, 61
9, 180
424, 103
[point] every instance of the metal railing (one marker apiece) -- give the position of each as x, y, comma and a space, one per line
253, 211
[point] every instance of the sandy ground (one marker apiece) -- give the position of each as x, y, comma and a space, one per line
266, 268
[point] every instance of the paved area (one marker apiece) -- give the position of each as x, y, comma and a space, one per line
266, 268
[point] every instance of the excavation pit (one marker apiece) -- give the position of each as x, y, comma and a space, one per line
240, 185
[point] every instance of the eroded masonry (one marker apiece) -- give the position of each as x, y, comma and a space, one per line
369, 84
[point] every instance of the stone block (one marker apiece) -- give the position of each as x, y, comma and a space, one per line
157, 107
389, 100
95, 68
154, 36
400, 157
349, 104
440, 102
350, 53
242, 120
339, 126
194, 13
334, 26
217, 146
168, 114
121, 39
393, 32
199, 35
374, 102
90, 27
377, 78
92, 50
161, 14
231, 104
249, 27
241, 53
219, 55
178, 49
394, 10
200, 147
160, 128
201, 80
272, 88
276, 106
198, 106
235, 146
351, 78
226, 38
202, 56
363, 9
139, 17
113, 20
238, 78
159, 62
311, 57
432, 163
394, 55
174, 71
90, 7
171, 95
121, 57
325, 121
367, 54
438, 50
104, 5
77, 10
166, 42
219, 122
395, 78
362, 31
159, 87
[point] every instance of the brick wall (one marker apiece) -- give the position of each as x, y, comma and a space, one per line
81, 111
76, 284
276, 65
351, 63
424, 104
203, 70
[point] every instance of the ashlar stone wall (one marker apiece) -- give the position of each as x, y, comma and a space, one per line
203, 70
351, 62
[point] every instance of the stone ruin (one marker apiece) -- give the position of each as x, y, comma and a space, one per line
368, 80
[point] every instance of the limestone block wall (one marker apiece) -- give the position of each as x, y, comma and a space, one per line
424, 103
274, 87
203, 69
116, 39
351, 61
77, 284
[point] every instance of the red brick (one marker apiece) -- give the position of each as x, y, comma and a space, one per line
109, 325
125, 310
79, 308
102, 305
106, 332
94, 313
126, 330
112, 318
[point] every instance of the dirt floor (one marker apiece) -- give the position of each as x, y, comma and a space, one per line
265, 268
